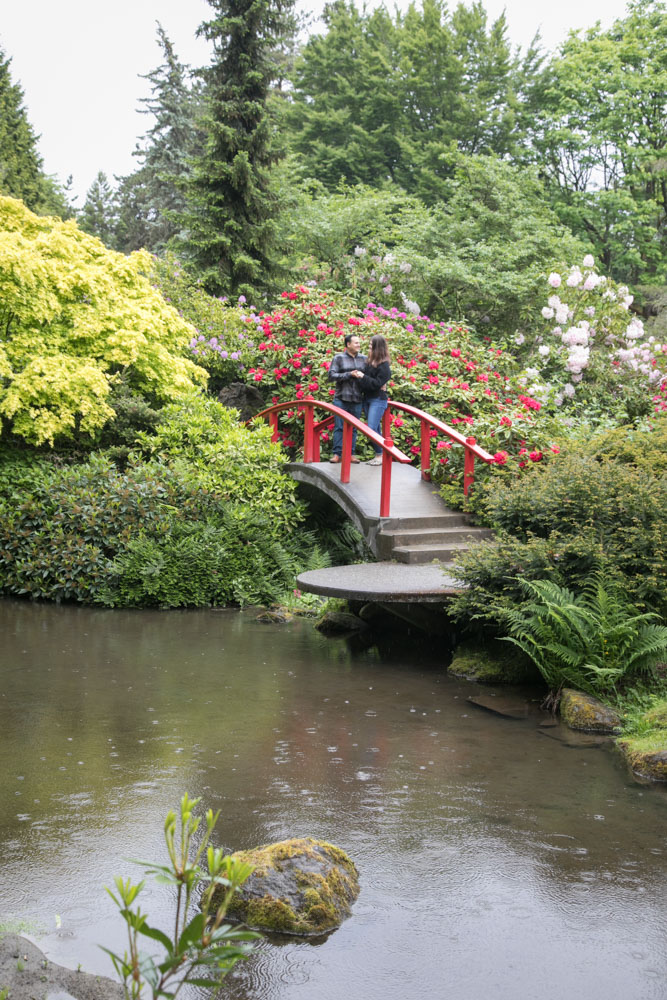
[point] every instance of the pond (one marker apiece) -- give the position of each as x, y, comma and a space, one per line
495, 861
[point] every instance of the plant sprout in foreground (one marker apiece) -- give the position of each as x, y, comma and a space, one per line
202, 949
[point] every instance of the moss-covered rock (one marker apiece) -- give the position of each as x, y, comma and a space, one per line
275, 616
492, 662
582, 711
339, 623
646, 755
303, 886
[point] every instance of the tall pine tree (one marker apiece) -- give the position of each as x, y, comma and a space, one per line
231, 220
21, 174
151, 200
98, 215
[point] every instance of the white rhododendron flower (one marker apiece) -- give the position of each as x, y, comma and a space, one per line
519, 339
569, 390
360, 251
589, 260
547, 312
591, 282
554, 279
544, 350
574, 278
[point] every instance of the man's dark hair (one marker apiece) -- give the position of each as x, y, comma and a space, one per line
349, 336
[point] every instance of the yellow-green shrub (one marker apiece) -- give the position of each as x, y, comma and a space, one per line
74, 316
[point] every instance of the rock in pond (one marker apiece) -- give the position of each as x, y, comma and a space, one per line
491, 662
339, 623
304, 887
582, 711
646, 762
275, 616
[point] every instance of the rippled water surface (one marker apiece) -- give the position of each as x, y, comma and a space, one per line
495, 861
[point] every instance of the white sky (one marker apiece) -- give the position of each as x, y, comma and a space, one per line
79, 63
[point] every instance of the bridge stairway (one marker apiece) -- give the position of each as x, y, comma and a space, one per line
421, 540
420, 529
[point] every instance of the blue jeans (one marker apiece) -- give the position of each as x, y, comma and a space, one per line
354, 409
374, 411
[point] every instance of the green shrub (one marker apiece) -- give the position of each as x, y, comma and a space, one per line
561, 522
151, 535
203, 439
594, 642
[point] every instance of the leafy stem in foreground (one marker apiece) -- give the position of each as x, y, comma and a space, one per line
203, 948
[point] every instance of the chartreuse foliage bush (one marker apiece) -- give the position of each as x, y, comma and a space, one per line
199, 437
562, 522
75, 317
594, 641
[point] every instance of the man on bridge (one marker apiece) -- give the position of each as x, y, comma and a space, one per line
348, 394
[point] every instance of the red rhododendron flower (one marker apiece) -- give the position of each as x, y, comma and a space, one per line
500, 457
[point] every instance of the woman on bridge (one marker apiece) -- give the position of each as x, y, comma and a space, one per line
375, 375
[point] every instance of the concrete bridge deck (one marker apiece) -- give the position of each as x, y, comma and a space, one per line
415, 545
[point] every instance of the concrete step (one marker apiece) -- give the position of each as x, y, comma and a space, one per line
448, 519
434, 536
413, 554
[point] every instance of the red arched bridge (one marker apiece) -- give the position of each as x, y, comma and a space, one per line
395, 506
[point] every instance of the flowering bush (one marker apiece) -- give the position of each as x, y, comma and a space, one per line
588, 351
436, 366
221, 342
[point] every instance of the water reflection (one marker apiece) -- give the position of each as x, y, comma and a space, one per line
493, 861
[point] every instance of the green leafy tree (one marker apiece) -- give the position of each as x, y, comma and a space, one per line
21, 173
346, 109
601, 140
231, 220
481, 254
379, 99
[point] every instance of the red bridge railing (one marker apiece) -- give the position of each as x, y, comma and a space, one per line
312, 433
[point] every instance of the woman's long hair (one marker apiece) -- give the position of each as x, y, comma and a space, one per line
379, 351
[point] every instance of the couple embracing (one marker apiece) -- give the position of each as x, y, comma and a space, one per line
360, 385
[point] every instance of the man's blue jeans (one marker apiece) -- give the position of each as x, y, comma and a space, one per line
374, 410
354, 409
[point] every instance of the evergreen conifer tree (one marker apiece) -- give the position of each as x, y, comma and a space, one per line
21, 174
231, 220
152, 198
98, 215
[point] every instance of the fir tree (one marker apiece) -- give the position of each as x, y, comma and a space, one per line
152, 198
21, 174
230, 223
98, 215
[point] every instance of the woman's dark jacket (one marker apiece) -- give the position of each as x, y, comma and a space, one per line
374, 379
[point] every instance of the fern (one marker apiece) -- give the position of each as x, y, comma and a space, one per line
595, 641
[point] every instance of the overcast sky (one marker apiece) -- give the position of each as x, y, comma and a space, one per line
79, 64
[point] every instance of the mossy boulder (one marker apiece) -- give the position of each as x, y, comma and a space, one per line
275, 616
646, 756
339, 623
492, 662
304, 887
584, 712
